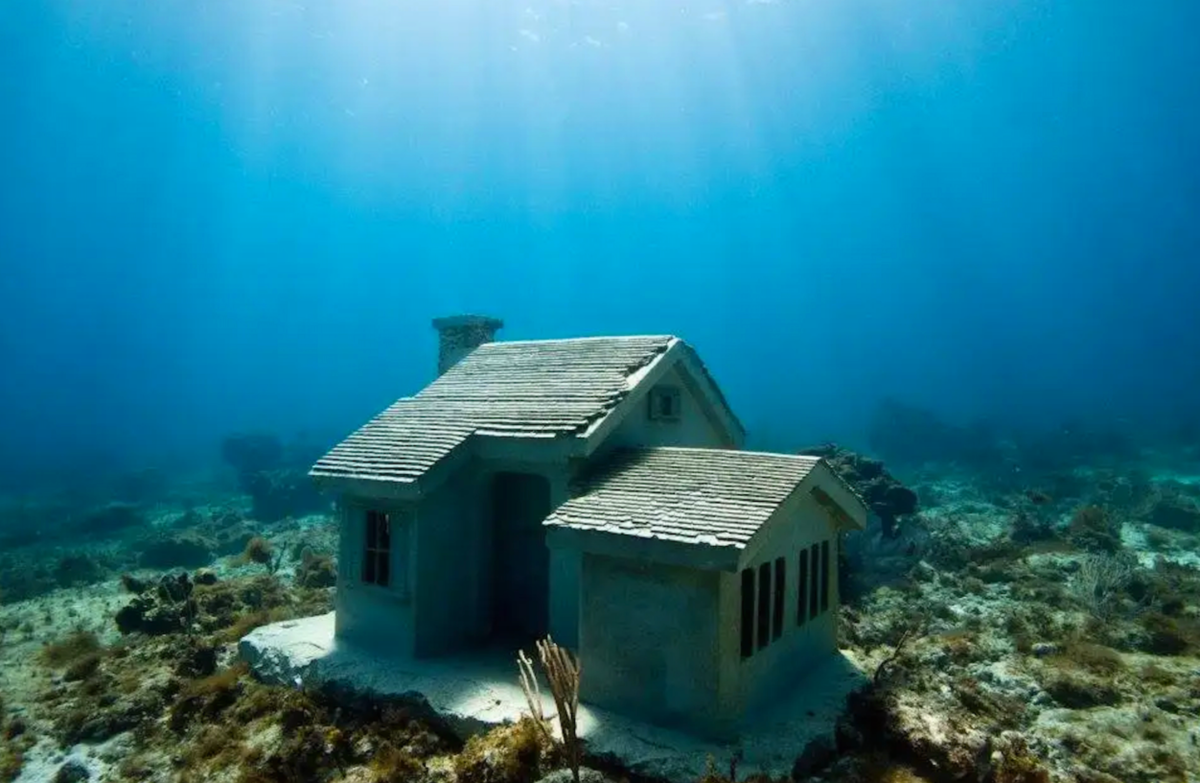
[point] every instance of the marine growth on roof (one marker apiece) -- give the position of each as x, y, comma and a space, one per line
527, 389
717, 497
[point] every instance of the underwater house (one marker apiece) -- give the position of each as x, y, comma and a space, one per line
594, 489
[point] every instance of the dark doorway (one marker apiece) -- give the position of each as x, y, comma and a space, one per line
521, 569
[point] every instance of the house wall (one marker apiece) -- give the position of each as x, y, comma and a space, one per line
377, 617
451, 564
455, 549
749, 683
649, 640
693, 428
566, 567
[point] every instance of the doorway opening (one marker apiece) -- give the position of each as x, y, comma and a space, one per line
520, 580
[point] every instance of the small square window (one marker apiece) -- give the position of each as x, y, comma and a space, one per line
664, 403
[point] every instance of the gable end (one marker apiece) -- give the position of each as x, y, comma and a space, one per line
693, 381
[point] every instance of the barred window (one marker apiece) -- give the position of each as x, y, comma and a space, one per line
764, 596
747, 612
826, 576
764, 605
814, 589
378, 549
802, 589
779, 597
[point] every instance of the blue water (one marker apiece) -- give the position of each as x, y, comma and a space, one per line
227, 215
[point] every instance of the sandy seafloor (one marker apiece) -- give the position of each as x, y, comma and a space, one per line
1006, 665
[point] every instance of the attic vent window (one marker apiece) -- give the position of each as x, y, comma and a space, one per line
664, 403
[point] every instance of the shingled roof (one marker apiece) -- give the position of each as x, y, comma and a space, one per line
529, 389
718, 497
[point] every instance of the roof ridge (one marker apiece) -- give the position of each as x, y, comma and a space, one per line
744, 452
594, 338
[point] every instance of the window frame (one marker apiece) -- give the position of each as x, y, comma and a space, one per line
376, 567
826, 584
749, 582
656, 395
763, 613
814, 586
802, 580
778, 598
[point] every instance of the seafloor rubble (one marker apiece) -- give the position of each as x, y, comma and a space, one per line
1041, 629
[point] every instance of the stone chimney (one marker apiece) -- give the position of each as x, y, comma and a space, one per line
458, 335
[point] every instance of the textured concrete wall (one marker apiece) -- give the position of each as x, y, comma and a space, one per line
637, 429
369, 615
648, 642
786, 661
565, 595
664, 643
452, 565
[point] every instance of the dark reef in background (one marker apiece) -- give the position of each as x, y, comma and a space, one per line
250, 453
112, 518
71, 560
140, 485
907, 435
278, 494
889, 545
275, 477
884, 495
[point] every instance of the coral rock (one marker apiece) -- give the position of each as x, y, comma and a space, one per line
72, 772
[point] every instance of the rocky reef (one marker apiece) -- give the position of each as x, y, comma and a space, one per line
66, 539
1041, 628
887, 498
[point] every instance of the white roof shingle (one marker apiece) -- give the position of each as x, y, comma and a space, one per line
532, 389
719, 497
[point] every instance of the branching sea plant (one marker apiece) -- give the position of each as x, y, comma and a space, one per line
562, 672
1100, 580
915, 629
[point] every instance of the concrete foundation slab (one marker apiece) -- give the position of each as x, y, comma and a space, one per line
473, 693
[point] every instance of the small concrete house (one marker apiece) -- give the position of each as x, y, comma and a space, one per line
594, 489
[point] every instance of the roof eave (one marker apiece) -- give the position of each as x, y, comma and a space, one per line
712, 398
429, 479
659, 551
841, 493
360, 486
